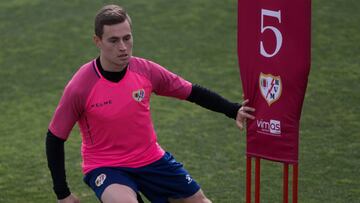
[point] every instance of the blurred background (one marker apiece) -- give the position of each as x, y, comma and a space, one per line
43, 43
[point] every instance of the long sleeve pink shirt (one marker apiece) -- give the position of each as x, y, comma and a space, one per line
114, 118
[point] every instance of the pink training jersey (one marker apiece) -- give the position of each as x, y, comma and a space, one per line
114, 118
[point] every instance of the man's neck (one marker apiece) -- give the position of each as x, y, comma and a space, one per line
111, 67
110, 75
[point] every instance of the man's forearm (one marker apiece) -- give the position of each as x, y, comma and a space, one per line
56, 163
213, 101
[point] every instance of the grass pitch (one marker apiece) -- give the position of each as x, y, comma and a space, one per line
44, 42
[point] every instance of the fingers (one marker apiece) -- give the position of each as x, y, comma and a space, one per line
245, 102
244, 113
240, 125
242, 116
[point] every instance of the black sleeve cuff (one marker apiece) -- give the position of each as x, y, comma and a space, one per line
56, 162
62, 194
213, 101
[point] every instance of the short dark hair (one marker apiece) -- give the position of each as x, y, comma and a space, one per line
109, 15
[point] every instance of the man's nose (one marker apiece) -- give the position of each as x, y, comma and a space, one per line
121, 45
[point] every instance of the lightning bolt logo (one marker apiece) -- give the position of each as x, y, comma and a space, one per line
270, 87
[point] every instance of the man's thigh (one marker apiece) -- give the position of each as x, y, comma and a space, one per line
112, 181
116, 193
164, 179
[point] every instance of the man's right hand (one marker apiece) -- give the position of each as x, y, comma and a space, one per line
70, 199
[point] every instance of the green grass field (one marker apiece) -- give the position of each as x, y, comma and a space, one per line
44, 42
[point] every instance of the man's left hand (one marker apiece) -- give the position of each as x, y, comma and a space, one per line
243, 114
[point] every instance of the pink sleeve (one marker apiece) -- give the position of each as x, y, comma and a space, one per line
166, 83
67, 113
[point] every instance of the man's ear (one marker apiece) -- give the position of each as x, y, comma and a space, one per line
97, 41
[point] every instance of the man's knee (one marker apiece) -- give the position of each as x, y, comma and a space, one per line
117, 193
198, 197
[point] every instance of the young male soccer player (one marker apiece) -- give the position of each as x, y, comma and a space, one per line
109, 98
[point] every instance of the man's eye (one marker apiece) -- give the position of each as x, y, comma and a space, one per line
113, 41
127, 38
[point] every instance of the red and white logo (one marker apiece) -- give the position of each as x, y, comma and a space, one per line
100, 180
270, 87
138, 95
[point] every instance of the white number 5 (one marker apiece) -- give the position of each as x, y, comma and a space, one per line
275, 14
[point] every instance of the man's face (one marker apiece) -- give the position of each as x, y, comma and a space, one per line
115, 46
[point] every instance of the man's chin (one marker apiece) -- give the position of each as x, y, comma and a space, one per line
123, 59
122, 63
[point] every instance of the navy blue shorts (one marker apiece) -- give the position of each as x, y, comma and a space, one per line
158, 181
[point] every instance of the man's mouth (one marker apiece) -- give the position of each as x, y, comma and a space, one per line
123, 55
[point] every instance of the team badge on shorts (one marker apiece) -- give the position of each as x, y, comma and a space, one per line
270, 87
100, 180
138, 95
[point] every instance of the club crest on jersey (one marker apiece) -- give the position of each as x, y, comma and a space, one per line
138, 95
270, 87
100, 180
